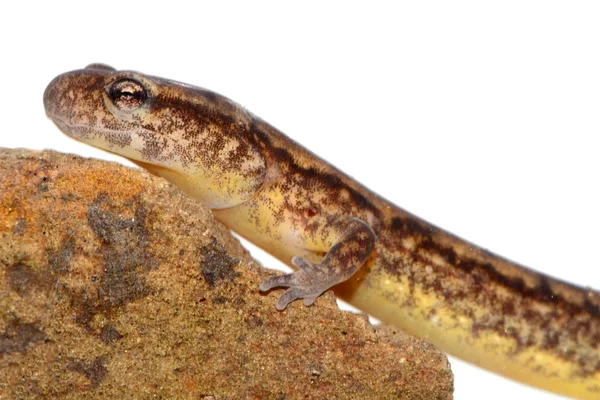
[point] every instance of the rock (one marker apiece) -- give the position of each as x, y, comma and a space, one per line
113, 284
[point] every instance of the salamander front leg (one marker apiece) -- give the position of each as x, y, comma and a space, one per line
347, 241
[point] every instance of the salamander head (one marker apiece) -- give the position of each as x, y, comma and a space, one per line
191, 136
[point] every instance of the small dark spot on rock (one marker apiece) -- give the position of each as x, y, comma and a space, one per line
67, 197
19, 336
86, 304
95, 371
109, 334
241, 339
394, 377
19, 228
254, 322
239, 301
220, 300
59, 261
181, 252
124, 250
217, 264
24, 279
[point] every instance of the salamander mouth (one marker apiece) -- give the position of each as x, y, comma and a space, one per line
76, 131
133, 145
62, 125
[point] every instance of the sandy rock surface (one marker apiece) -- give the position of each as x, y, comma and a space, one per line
113, 284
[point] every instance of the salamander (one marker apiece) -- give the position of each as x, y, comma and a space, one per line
335, 232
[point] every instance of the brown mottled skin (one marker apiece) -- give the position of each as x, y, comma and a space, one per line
399, 268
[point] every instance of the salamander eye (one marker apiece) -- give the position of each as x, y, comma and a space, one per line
127, 94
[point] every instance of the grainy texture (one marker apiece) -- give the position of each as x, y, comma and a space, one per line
115, 285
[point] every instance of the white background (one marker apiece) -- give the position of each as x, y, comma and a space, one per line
481, 118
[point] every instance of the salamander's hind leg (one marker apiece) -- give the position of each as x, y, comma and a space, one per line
347, 241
